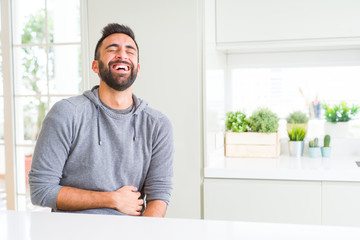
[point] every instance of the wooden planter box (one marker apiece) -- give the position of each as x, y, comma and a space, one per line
252, 145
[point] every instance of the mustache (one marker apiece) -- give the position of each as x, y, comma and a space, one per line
123, 62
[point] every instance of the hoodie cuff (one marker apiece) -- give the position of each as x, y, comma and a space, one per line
159, 196
52, 197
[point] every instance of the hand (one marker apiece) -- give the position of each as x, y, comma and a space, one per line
126, 200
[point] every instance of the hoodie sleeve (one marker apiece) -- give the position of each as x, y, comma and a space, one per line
158, 183
50, 154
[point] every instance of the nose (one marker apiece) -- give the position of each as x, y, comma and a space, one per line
121, 54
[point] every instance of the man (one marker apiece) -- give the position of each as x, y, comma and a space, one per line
105, 151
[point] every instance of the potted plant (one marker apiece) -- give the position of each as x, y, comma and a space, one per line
296, 141
326, 149
337, 119
263, 121
236, 122
314, 149
297, 118
255, 136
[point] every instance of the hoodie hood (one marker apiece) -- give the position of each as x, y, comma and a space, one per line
93, 96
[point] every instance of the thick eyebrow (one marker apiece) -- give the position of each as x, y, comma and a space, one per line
117, 45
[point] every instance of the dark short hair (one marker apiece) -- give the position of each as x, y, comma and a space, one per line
112, 28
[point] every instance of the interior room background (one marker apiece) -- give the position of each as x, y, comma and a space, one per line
199, 59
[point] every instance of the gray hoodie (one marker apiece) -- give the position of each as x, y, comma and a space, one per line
85, 144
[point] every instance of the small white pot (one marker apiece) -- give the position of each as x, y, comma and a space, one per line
337, 130
296, 148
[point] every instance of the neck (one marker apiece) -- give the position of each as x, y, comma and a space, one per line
115, 99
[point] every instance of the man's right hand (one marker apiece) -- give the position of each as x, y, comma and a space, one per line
126, 200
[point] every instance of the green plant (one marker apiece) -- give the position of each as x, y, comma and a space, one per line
340, 113
327, 141
297, 133
236, 122
314, 143
263, 120
297, 117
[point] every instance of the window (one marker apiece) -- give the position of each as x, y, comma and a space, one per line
284, 82
2, 154
47, 66
288, 89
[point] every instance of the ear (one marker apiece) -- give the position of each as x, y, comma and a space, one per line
138, 69
95, 66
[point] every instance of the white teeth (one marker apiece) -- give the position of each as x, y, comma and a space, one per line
122, 67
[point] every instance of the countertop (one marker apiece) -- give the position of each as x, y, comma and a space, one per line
46, 225
285, 168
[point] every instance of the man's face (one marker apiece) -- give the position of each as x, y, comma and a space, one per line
118, 64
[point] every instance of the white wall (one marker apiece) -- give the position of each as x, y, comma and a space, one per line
169, 38
215, 90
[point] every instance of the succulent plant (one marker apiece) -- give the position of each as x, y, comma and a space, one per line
327, 141
314, 143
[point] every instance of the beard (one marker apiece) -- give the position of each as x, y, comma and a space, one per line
115, 80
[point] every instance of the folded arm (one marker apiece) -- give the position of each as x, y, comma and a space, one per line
155, 208
125, 200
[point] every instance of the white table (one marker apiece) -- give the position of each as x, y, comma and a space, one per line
40, 225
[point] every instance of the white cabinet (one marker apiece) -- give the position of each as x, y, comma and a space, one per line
341, 203
301, 202
263, 200
280, 23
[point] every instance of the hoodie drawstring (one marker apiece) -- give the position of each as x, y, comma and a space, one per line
134, 127
98, 124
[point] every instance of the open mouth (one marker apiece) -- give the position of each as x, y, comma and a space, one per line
120, 67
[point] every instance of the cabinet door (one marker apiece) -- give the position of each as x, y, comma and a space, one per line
263, 201
341, 203
240, 21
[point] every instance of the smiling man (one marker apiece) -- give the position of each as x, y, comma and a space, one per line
106, 151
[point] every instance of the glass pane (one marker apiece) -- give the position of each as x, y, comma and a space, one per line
63, 20
23, 164
305, 89
1, 120
1, 76
29, 21
285, 90
2, 179
64, 70
29, 112
30, 71
2, 150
